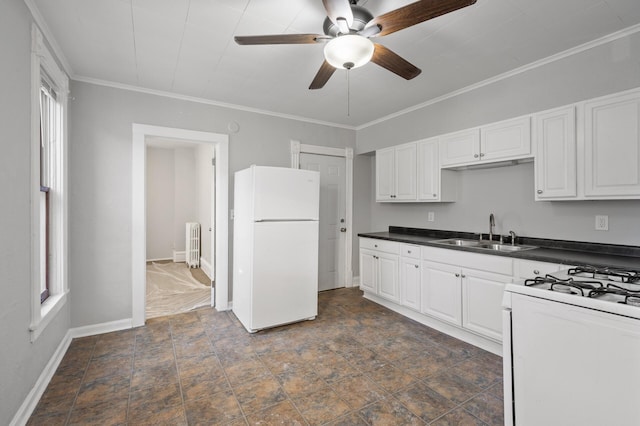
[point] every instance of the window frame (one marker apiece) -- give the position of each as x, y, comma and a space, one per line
43, 312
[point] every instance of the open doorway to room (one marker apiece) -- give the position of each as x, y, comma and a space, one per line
180, 198
220, 234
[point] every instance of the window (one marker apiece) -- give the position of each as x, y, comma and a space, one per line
48, 181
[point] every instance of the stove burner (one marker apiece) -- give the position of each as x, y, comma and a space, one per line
569, 285
632, 300
611, 274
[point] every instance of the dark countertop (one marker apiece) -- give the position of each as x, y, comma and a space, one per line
571, 253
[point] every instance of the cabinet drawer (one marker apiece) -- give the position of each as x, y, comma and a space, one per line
481, 262
380, 245
526, 269
412, 252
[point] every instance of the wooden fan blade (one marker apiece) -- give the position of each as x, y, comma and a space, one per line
394, 63
337, 9
278, 39
415, 13
324, 74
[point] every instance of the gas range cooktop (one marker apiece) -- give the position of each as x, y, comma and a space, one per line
606, 284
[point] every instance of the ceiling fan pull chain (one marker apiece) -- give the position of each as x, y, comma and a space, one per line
348, 94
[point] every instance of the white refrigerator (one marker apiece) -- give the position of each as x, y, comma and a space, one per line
275, 246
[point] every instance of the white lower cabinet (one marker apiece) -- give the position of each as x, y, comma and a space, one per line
457, 288
441, 292
482, 302
379, 268
464, 297
410, 277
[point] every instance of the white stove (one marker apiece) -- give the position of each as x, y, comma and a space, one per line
568, 336
605, 289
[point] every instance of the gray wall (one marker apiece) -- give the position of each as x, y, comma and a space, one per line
160, 203
100, 179
509, 192
21, 362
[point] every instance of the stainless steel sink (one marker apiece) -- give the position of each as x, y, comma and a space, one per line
502, 247
458, 242
482, 244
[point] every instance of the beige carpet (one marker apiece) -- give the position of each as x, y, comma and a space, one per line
172, 289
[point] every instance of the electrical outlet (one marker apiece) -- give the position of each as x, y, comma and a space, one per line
602, 223
431, 216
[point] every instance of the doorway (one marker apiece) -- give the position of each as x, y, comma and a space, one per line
179, 188
219, 244
336, 187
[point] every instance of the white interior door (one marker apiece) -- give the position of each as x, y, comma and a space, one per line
332, 218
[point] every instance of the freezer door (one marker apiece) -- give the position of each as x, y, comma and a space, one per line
285, 273
285, 194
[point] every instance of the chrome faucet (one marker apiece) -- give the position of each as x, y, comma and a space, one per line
513, 238
492, 223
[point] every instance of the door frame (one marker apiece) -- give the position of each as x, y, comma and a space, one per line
298, 148
138, 213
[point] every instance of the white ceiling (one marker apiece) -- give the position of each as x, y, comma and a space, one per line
186, 47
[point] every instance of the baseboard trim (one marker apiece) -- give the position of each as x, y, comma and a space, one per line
106, 327
32, 399
206, 267
160, 259
179, 256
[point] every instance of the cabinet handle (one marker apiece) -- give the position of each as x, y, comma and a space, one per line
481, 154
475, 155
435, 195
375, 245
409, 251
536, 272
463, 276
416, 266
457, 275
539, 191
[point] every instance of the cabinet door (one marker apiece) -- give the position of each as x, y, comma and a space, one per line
612, 146
405, 172
506, 139
482, 302
385, 175
428, 170
388, 284
460, 147
555, 136
410, 283
368, 271
441, 292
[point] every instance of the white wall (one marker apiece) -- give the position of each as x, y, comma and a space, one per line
160, 203
100, 183
184, 194
509, 192
21, 361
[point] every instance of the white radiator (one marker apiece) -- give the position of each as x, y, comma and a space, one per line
192, 246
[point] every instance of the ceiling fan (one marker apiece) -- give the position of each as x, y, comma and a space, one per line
348, 30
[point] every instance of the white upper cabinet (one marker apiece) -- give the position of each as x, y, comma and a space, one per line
428, 170
405, 172
510, 139
612, 147
505, 140
460, 147
555, 137
396, 175
385, 174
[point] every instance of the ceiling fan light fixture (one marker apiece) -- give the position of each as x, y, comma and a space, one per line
348, 51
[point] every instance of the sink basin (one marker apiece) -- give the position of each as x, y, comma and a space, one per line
502, 247
487, 245
458, 242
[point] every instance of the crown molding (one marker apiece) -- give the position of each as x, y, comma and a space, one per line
206, 101
549, 59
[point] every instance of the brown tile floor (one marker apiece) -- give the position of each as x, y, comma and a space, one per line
356, 364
